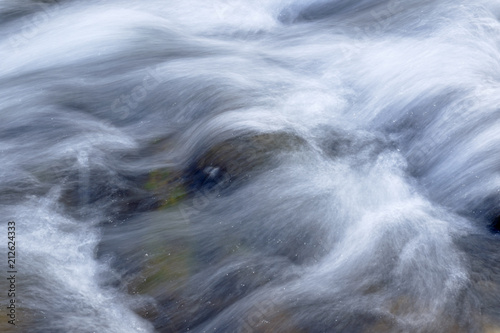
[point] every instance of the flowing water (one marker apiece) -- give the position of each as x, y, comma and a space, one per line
251, 166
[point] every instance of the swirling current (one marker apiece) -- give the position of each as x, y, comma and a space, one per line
250, 166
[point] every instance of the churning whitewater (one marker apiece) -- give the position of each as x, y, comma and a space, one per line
250, 166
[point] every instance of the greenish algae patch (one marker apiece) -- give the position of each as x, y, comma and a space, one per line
167, 186
168, 270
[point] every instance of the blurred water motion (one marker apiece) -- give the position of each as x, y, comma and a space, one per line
252, 166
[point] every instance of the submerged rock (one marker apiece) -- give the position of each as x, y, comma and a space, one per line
238, 158
167, 187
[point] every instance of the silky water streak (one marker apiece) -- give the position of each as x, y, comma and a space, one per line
251, 166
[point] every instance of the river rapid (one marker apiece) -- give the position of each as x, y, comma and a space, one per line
251, 166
